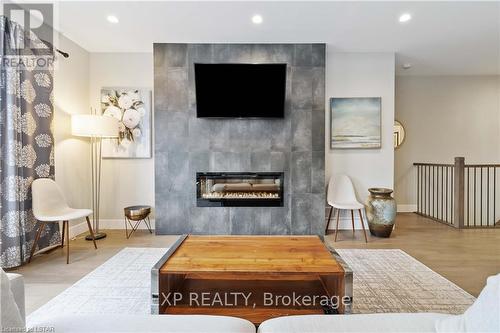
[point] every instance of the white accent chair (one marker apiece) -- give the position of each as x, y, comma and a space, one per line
341, 196
49, 206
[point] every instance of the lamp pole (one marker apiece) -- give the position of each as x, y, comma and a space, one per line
96, 127
96, 159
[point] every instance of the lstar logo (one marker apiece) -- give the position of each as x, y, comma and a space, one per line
36, 21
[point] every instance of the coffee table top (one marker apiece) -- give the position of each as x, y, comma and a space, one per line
252, 254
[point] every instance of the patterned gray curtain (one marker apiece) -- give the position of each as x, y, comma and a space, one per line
26, 143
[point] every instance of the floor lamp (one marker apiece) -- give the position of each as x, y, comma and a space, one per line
96, 128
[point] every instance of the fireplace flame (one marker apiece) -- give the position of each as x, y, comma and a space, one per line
241, 195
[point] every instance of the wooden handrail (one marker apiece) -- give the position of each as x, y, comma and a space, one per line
434, 164
482, 165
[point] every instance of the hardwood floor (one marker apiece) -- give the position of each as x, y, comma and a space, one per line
48, 275
466, 257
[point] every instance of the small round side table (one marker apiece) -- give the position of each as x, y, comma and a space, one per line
134, 215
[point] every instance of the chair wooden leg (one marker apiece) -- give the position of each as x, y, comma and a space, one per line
362, 224
337, 227
328, 222
62, 234
91, 232
352, 219
67, 241
37, 237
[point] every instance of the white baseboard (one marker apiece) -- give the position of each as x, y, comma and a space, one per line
80, 228
345, 222
76, 229
407, 208
120, 224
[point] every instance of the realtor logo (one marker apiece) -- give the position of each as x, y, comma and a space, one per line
36, 21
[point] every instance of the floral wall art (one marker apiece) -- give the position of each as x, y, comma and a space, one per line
132, 108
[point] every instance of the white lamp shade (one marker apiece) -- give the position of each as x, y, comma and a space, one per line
90, 125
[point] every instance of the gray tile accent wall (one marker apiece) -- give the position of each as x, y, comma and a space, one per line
185, 144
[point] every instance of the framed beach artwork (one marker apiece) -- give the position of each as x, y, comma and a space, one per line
132, 108
355, 122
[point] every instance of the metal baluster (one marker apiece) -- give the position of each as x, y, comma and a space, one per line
434, 191
447, 193
418, 188
481, 197
442, 192
475, 187
488, 196
431, 193
431, 190
427, 183
421, 189
468, 197
494, 195
452, 194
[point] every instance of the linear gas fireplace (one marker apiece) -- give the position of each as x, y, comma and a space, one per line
239, 189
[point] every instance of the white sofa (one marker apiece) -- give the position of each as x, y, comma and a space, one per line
383, 323
17, 288
482, 316
12, 314
147, 323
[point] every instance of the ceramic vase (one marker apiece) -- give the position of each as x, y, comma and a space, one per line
381, 211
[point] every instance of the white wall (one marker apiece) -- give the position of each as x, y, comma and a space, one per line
71, 94
445, 117
72, 155
125, 182
362, 75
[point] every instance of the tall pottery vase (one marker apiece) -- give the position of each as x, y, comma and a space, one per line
381, 211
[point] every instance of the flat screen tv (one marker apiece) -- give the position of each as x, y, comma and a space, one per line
240, 90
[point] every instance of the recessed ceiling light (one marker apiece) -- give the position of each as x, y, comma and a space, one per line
406, 65
257, 19
112, 19
404, 18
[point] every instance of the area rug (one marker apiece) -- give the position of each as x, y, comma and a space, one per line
393, 281
121, 285
384, 281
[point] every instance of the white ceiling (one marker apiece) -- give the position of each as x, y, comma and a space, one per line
445, 38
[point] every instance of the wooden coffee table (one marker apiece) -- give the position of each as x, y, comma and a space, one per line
251, 277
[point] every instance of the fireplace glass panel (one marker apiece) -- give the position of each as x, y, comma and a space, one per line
239, 189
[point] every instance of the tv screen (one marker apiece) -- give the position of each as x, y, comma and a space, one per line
240, 90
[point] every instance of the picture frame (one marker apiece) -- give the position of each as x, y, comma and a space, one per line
355, 123
132, 108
